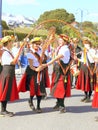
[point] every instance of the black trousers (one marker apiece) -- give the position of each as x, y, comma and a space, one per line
60, 102
3, 106
39, 98
88, 94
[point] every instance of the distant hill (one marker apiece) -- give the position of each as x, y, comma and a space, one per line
17, 20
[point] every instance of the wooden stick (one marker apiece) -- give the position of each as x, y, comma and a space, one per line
48, 41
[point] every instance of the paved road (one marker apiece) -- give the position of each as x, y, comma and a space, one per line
79, 116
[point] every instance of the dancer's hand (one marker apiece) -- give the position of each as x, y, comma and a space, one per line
41, 67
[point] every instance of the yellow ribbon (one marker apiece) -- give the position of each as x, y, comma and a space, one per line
97, 88
96, 81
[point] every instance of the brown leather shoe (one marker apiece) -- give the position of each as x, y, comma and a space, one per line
39, 110
6, 113
62, 109
87, 100
56, 107
82, 100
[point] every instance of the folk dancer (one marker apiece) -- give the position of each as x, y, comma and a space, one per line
85, 81
29, 81
1, 51
8, 86
95, 96
60, 86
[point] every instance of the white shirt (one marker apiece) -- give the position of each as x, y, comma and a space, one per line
64, 50
96, 56
90, 55
15, 51
6, 57
35, 60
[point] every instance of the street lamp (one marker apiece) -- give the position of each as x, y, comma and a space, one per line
0, 18
82, 15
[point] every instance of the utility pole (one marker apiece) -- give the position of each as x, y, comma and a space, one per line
81, 20
80, 27
0, 18
81, 14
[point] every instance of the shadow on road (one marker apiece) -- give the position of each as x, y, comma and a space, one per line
81, 109
44, 110
70, 109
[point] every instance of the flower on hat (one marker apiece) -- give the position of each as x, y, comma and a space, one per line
64, 37
75, 39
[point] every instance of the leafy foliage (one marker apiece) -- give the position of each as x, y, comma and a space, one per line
59, 14
4, 25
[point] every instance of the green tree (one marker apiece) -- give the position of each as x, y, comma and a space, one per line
87, 25
4, 25
71, 31
57, 14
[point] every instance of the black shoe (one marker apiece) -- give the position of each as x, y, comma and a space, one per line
87, 100
39, 110
82, 100
6, 113
31, 105
62, 109
56, 107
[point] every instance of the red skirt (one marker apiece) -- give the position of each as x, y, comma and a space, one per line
8, 85
95, 97
59, 89
28, 82
23, 86
83, 80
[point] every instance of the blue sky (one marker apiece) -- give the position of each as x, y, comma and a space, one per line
34, 8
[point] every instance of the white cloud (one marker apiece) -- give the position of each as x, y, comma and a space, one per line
22, 2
